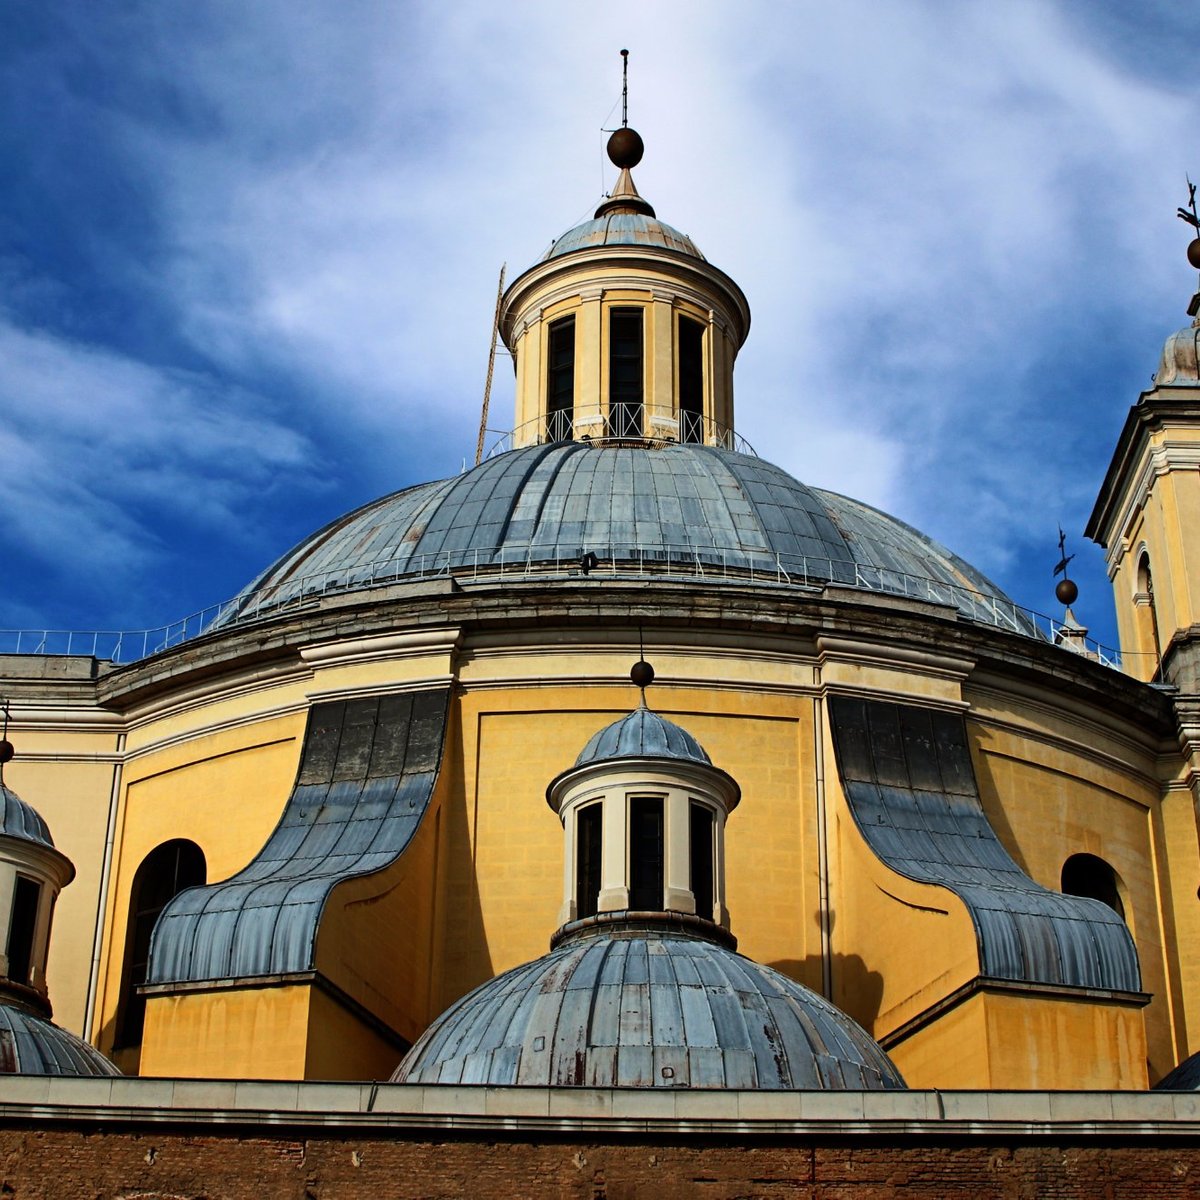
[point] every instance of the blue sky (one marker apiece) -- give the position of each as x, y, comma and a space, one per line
248, 256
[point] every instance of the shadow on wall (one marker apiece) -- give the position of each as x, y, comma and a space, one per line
857, 990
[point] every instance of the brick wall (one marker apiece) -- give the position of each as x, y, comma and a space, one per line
147, 1163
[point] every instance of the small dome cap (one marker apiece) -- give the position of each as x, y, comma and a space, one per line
642, 734
21, 820
1180, 366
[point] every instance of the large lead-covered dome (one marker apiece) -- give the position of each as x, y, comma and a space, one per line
692, 509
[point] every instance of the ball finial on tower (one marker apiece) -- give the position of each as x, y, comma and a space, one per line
642, 674
625, 146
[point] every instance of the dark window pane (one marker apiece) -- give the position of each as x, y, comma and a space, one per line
701, 851
646, 853
164, 873
21, 930
588, 840
691, 380
625, 372
1087, 875
560, 399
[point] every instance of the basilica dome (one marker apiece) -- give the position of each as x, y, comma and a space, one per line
623, 229
676, 508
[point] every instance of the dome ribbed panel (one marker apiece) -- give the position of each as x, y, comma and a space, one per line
623, 229
646, 1011
697, 508
31, 1045
642, 734
21, 820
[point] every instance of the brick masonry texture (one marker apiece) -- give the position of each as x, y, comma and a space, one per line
154, 1164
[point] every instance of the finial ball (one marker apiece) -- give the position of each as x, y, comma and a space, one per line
6, 751
1193, 250
1066, 591
625, 147
642, 674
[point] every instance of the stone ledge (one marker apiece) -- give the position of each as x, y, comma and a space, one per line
49, 1101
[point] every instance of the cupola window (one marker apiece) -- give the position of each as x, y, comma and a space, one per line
646, 853
626, 372
560, 384
22, 927
589, 838
701, 853
691, 380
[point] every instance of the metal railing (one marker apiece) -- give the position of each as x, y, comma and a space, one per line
626, 423
740, 565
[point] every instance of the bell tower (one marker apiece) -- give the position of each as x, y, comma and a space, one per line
1148, 512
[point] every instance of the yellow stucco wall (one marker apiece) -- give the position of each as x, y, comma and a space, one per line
1007, 1040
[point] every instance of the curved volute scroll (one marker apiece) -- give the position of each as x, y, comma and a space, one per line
643, 812
623, 331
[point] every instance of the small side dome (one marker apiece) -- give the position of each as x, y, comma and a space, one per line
642, 734
21, 820
1180, 365
582, 1016
31, 1045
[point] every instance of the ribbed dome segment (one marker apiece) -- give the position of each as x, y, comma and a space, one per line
21, 820
623, 229
642, 734
696, 507
31, 1045
639, 1009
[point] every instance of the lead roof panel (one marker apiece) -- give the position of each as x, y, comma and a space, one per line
908, 778
366, 775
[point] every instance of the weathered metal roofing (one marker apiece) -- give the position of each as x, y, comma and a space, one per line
21, 820
644, 1009
908, 777
1184, 1078
622, 229
642, 734
677, 503
365, 780
31, 1045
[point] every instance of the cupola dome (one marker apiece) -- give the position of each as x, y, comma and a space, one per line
642, 734
1180, 366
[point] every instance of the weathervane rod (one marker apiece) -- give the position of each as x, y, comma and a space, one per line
624, 88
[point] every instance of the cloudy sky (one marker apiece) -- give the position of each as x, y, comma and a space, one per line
248, 257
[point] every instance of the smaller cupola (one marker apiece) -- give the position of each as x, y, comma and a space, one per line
32, 873
643, 812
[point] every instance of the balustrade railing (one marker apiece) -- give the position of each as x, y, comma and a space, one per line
613, 561
631, 423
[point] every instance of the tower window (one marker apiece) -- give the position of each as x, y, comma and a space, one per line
1087, 875
560, 399
22, 927
163, 874
625, 372
701, 853
691, 380
589, 836
645, 853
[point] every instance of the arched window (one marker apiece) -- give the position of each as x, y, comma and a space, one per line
1087, 875
163, 874
1148, 622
